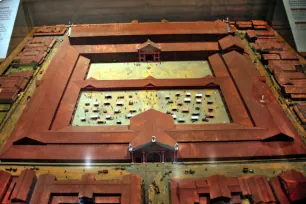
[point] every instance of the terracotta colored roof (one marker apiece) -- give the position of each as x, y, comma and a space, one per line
5, 180
150, 44
23, 186
278, 190
35, 50
300, 110
259, 188
193, 190
270, 57
252, 89
251, 34
264, 34
218, 188
271, 47
259, 22
260, 27
50, 30
133, 48
280, 65
263, 40
294, 89
147, 125
12, 84
244, 24
154, 28
126, 190
298, 82
298, 96
288, 55
294, 183
18, 189
229, 42
284, 78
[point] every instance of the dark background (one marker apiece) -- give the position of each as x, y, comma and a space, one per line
51, 12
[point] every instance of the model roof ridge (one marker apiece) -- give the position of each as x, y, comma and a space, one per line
157, 22
239, 62
149, 43
152, 130
230, 41
153, 28
221, 187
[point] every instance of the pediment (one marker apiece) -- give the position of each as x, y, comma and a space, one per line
27, 141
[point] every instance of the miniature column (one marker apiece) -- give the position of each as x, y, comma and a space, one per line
163, 156
174, 156
143, 157
132, 155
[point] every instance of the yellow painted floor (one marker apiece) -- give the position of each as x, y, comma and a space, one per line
141, 70
94, 103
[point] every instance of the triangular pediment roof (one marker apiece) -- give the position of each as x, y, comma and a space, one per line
149, 45
231, 42
27, 141
152, 123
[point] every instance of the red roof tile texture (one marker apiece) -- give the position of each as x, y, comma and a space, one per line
271, 57
133, 48
300, 110
259, 22
25, 189
35, 50
12, 84
220, 188
17, 189
230, 43
154, 28
50, 30
147, 125
126, 190
259, 188
291, 81
5, 180
264, 34
244, 25
148, 44
289, 187
280, 65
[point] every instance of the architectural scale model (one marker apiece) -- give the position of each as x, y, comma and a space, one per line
159, 93
227, 109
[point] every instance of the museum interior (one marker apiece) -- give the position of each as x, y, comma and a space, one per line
153, 102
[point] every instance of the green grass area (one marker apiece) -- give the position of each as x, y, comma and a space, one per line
92, 104
141, 70
19, 69
2, 116
4, 107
